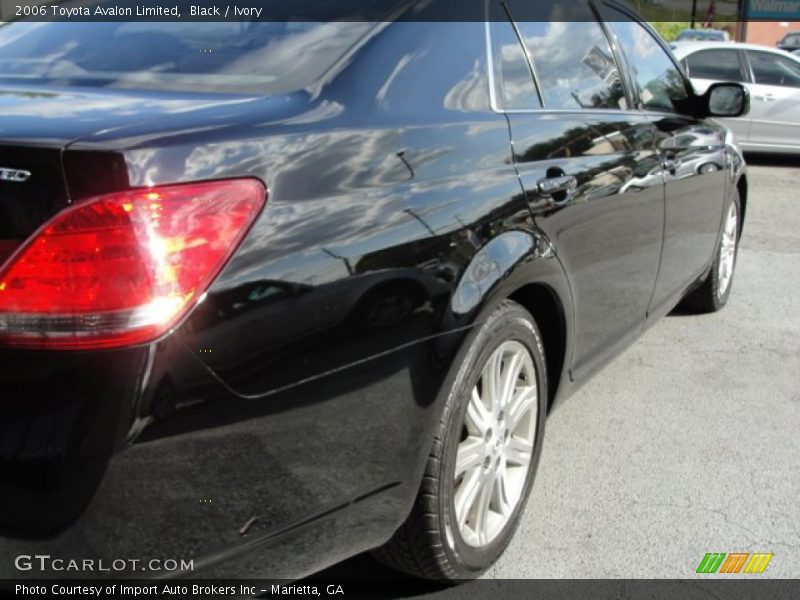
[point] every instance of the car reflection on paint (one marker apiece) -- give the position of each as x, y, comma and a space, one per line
255, 313
693, 153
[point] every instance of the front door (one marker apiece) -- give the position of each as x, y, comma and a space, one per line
693, 159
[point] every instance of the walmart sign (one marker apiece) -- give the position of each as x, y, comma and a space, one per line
777, 10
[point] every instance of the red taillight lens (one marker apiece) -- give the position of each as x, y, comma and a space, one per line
124, 268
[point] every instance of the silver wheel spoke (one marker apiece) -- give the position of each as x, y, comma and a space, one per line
500, 499
520, 406
492, 375
482, 512
519, 451
510, 378
470, 454
478, 418
466, 495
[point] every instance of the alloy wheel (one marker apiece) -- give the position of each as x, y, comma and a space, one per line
496, 448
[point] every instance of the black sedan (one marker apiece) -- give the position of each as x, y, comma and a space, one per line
273, 294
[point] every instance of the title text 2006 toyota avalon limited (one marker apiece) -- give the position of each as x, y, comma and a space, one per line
274, 294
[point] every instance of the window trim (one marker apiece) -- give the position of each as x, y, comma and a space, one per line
490, 68
525, 51
749, 66
495, 80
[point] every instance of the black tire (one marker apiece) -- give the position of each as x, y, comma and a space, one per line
429, 544
708, 297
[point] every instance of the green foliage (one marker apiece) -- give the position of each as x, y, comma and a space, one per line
669, 30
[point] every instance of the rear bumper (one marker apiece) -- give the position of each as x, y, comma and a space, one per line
154, 528
62, 416
139, 463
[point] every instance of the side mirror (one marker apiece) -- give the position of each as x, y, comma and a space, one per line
726, 100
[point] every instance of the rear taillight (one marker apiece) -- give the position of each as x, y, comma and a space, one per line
124, 268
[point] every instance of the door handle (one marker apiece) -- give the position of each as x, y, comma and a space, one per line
670, 164
767, 98
562, 184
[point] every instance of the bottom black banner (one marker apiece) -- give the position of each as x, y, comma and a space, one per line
494, 589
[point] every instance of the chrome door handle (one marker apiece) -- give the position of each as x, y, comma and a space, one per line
549, 186
670, 164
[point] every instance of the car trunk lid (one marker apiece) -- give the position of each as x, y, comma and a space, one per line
32, 189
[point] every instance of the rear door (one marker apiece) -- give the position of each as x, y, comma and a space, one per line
693, 154
590, 171
775, 100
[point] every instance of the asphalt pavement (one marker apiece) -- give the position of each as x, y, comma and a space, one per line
687, 443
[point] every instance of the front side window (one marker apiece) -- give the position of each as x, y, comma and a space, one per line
574, 65
721, 65
659, 83
772, 69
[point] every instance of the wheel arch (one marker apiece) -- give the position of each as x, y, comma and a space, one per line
548, 311
522, 266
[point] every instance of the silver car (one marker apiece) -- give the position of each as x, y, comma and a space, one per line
773, 78
703, 35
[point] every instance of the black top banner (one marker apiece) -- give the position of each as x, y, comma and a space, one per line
717, 11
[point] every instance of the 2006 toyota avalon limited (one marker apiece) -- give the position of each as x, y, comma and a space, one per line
274, 294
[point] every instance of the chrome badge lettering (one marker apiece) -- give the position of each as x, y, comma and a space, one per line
15, 175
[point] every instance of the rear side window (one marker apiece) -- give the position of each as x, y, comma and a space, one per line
516, 81
722, 65
659, 82
574, 65
772, 69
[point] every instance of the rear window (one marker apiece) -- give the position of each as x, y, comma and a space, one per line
225, 57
